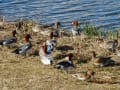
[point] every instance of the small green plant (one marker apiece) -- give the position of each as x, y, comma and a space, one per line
90, 30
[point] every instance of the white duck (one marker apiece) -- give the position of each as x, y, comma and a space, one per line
45, 53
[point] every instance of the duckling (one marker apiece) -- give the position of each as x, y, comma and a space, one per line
26, 47
45, 54
100, 60
65, 64
9, 40
84, 76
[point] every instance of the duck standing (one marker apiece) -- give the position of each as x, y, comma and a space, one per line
75, 30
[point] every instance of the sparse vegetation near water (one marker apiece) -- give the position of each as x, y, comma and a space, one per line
28, 73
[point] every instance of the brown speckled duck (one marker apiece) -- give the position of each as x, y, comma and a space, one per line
100, 60
84, 76
111, 45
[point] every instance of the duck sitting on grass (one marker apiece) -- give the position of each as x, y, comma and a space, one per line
66, 63
25, 48
111, 45
45, 53
84, 76
9, 40
101, 60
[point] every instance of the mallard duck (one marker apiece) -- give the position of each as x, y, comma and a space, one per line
64, 64
9, 40
100, 60
84, 75
23, 49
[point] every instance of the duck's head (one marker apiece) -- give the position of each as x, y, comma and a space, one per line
75, 23
14, 33
28, 37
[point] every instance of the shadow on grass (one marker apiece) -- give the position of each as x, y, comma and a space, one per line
59, 56
64, 48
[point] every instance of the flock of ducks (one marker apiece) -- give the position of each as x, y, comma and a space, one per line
45, 51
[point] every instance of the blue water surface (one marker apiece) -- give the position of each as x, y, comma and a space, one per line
101, 13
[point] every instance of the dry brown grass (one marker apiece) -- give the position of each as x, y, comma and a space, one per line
28, 73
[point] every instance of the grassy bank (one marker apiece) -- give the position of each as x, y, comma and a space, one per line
28, 73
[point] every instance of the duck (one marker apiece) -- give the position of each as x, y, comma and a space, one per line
84, 76
111, 45
57, 25
53, 39
19, 24
100, 60
2, 20
66, 63
9, 40
35, 28
23, 49
75, 30
45, 53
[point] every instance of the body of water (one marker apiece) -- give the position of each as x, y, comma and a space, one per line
101, 13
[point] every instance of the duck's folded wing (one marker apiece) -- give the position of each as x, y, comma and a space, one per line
10, 40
